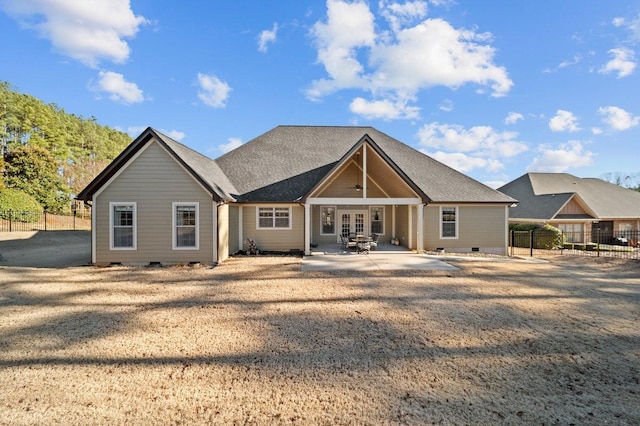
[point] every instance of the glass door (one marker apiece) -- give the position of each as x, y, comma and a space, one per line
352, 223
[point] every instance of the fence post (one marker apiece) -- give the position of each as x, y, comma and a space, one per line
531, 243
598, 241
513, 240
10, 220
45, 220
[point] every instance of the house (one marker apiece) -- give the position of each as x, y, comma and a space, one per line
287, 189
585, 209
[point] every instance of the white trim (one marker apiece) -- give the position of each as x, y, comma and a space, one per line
364, 170
457, 222
363, 201
94, 230
215, 234
420, 234
112, 204
273, 228
174, 225
506, 231
307, 229
410, 227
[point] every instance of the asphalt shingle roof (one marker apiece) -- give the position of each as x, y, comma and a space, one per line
541, 195
285, 163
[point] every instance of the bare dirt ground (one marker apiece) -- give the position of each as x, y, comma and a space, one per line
258, 341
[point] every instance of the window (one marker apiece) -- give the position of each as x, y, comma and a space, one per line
573, 232
377, 220
185, 226
448, 222
328, 220
274, 217
122, 220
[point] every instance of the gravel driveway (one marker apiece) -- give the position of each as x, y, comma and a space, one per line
257, 340
45, 249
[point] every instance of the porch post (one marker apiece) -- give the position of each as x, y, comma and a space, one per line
307, 229
420, 242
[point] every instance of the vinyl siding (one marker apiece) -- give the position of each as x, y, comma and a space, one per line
275, 239
234, 231
154, 180
482, 226
572, 207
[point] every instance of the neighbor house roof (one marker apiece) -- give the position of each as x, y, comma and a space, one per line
202, 168
543, 195
285, 163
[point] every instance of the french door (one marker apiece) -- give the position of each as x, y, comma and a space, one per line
352, 222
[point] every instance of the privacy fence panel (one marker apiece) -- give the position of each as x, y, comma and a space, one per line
13, 221
543, 243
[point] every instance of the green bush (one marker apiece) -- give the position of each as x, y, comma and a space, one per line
19, 206
545, 237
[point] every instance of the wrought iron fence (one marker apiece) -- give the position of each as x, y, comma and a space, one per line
13, 221
541, 243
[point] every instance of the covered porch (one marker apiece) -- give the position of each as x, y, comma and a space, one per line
364, 194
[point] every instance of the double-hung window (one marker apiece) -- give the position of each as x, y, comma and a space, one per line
448, 222
274, 218
376, 215
122, 224
185, 226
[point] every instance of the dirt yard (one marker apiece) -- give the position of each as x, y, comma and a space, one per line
258, 341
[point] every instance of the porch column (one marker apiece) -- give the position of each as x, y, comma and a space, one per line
307, 229
420, 243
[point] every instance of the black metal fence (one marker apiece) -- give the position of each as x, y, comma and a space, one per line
13, 221
541, 243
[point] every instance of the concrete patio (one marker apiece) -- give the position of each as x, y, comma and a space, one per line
386, 258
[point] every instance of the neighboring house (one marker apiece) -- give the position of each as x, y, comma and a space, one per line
287, 189
586, 209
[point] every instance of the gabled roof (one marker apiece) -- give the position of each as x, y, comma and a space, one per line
285, 163
542, 196
202, 168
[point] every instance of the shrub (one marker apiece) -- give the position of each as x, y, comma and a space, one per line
546, 237
19, 206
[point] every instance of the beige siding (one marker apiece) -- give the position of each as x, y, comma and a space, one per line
402, 224
234, 231
344, 184
572, 207
481, 226
275, 239
154, 181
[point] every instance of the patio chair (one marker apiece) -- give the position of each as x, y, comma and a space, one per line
374, 241
348, 243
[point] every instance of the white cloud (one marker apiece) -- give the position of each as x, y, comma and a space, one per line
87, 31
467, 149
513, 117
174, 134
465, 163
118, 89
596, 130
623, 62
383, 109
213, 92
567, 156
232, 144
495, 184
394, 65
446, 105
266, 37
483, 140
617, 118
564, 121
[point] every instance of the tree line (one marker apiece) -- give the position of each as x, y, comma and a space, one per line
49, 154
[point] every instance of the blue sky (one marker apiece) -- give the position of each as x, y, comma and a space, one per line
493, 88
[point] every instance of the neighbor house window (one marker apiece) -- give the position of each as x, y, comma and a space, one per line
122, 221
274, 217
448, 222
377, 220
328, 220
573, 232
185, 225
